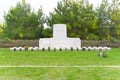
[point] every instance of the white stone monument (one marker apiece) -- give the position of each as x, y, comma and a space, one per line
60, 39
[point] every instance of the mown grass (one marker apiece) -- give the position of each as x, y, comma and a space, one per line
56, 58
59, 74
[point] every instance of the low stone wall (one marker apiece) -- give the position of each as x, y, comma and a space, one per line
101, 43
17, 43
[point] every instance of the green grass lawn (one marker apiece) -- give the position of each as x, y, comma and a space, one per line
57, 58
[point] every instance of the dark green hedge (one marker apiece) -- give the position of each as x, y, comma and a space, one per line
7, 44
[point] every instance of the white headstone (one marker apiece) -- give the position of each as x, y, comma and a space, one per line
60, 39
59, 31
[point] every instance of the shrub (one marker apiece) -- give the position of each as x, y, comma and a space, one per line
60, 49
54, 49
88, 49
92, 37
43, 49
48, 48
6, 39
113, 40
20, 49
83, 49
14, 49
71, 48
77, 49
26, 48
65, 49
32, 49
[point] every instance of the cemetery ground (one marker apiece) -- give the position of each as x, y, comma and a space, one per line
59, 65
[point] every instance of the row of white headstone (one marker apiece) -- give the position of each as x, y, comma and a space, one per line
78, 48
23, 48
97, 48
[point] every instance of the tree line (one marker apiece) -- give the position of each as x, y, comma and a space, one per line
83, 20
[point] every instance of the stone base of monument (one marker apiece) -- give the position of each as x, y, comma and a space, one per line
60, 40
63, 44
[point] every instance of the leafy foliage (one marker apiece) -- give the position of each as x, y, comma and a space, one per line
2, 30
82, 19
86, 22
23, 23
78, 15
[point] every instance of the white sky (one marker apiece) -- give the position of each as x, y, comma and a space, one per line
47, 5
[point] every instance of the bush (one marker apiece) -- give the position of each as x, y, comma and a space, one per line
83, 49
43, 49
92, 37
71, 48
88, 49
26, 48
6, 39
60, 49
48, 48
77, 49
65, 49
14, 49
54, 49
32, 49
20, 49
113, 40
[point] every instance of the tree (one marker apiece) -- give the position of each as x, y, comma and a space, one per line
23, 2
23, 23
108, 19
1, 30
114, 10
78, 15
103, 20
47, 32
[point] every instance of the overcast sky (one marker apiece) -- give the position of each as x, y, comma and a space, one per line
47, 5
